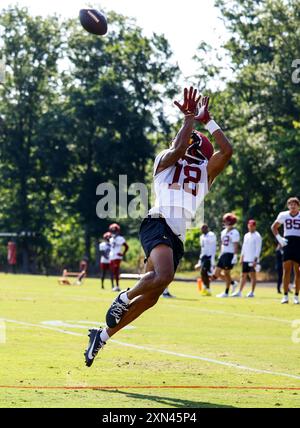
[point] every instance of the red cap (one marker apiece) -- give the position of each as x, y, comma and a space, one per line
251, 223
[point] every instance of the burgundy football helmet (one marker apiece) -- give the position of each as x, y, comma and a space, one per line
200, 147
114, 228
229, 219
107, 236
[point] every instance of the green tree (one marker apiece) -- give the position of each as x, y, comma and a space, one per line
259, 110
115, 92
33, 156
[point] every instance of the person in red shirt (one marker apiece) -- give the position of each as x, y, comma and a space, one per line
83, 267
12, 255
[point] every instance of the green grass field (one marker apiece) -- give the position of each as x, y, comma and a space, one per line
191, 351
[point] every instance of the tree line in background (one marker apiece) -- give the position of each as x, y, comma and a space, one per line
79, 110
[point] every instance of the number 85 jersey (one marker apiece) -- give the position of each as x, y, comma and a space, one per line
183, 185
290, 223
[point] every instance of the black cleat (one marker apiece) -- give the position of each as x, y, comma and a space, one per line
167, 294
94, 346
116, 311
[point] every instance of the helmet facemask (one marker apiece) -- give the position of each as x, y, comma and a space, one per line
194, 149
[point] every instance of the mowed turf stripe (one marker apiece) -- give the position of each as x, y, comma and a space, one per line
162, 351
231, 314
75, 388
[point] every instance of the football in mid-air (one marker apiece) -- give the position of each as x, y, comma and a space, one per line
93, 21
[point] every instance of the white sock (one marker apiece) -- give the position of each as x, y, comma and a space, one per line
104, 336
124, 298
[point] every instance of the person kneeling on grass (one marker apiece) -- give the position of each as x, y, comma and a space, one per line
190, 165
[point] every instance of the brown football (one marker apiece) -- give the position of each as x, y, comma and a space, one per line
93, 21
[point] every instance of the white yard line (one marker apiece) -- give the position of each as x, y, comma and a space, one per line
162, 351
209, 360
59, 330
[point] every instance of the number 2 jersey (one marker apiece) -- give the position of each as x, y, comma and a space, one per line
228, 239
179, 191
290, 223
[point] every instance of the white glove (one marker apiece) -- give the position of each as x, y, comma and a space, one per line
257, 267
234, 259
282, 241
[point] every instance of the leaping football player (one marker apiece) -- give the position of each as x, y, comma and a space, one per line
182, 175
290, 244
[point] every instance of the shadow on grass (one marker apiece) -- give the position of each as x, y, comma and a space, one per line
169, 401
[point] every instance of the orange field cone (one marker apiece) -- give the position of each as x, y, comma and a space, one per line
200, 284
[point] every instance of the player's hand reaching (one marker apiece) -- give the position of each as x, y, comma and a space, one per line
190, 102
203, 115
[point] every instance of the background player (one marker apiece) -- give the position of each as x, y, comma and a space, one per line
279, 266
117, 242
167, 294
290, 244
250, 255
104, 249
230, 239
12, 255
83, 268
208, 242
182, 177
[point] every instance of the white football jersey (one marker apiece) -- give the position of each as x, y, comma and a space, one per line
228, 239
251, 248
105, 248
179, 191
291, 224
208, 244
116, 243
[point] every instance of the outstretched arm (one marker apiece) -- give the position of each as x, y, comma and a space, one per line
220, 159
181, 141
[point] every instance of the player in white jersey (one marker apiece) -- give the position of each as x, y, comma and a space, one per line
250, 255
230, 238
208, 243
183, 175
290, 244
104, 249
117, 242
